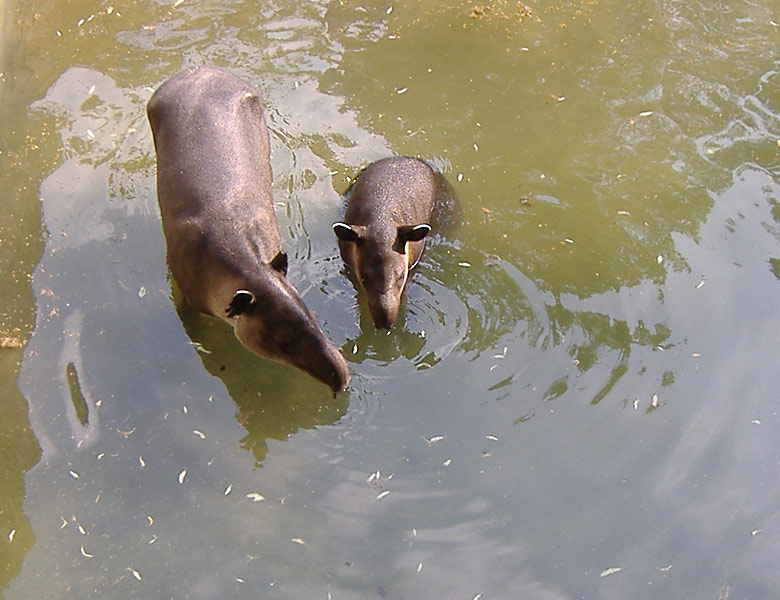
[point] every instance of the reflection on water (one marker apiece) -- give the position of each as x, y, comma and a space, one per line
580, 397
273, 401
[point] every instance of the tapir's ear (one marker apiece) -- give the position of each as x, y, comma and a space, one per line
345, 233
242, 301
279, 263
413, 233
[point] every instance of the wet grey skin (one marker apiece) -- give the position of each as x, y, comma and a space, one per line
224, 247
392, 207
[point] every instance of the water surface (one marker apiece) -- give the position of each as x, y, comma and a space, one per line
580, 398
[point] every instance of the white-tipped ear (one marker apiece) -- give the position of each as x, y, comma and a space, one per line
345, 232
243, 300
413, 233
279, 263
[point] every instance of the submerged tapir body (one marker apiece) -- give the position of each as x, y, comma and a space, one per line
393, 205
224, 246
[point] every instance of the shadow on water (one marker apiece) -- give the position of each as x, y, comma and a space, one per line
273, 400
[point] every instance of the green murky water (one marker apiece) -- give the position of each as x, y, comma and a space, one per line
581, 397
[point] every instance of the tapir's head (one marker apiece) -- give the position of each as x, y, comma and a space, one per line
271, 320
381, 259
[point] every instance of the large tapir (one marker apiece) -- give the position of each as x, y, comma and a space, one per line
392, 206
224, 247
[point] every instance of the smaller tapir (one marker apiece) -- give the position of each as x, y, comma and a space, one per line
224, 247
392, 206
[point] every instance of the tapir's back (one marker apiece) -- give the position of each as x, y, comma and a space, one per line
213, 156
397, 190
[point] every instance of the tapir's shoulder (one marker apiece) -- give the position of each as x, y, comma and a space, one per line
201, 87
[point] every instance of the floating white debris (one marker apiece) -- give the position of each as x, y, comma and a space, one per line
228, 489
625, 213
150, 518
381, 495
153, 539
255, 497
141, 292
74, 474
610, 571
447, 462
90, 134
59, 33
141, 461
666, 568
374, 476
568, 240
81, 529
477, 597
701, 283
434, 439
135, 573
91, 91
476, 148
85, 553
755, 532
401, 90
756, 422
239, 579
354, 348
696, 354
178, 3
11, 535
646, 113
419, 567
460, 176
200, 434
464, 264
184, 409
659, 259
182, 475
298, 541
636, 403
654, 401
491, 437
389, 10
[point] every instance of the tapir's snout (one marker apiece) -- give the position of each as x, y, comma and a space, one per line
384, 311
340, 376
331, 369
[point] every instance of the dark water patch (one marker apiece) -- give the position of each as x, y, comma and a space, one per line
76, 395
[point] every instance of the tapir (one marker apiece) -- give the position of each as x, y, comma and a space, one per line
392, 206
225, 253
